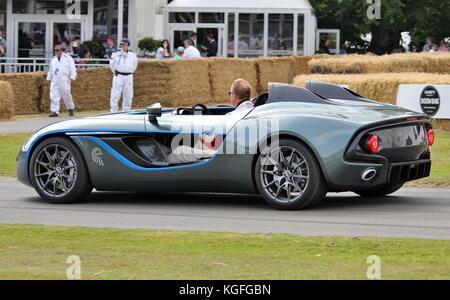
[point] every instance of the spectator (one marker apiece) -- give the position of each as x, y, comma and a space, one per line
110, 47
189, 50
179, 53
428, 47
80, 49
212, 48
443, 47
163, 51
193, 38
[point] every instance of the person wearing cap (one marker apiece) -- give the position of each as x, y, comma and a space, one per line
62, 74
123, 64
190, 51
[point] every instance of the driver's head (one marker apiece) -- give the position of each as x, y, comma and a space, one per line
240, 90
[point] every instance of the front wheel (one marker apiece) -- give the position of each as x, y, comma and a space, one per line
380, 191
58, 172
289, 177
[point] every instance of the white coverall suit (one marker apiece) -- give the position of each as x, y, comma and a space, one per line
123, 65
62, 72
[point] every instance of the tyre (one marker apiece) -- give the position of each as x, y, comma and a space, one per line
380, 191
289, 177
58, 172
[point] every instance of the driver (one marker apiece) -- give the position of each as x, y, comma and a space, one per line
240, 93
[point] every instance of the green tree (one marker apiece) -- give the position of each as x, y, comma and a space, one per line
419, 17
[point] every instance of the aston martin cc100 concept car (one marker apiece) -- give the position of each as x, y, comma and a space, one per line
292, 148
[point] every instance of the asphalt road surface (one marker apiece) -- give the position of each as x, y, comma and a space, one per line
412, 212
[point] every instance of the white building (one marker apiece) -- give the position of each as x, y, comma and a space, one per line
243, 28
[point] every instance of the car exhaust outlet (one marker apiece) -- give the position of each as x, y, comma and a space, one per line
369, 174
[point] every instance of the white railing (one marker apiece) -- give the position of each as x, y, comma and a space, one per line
21, 65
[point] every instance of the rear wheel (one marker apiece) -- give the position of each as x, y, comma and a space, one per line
58, 172
380, 191
289, 177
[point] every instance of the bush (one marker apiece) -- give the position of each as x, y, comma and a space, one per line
96, 48
149, 44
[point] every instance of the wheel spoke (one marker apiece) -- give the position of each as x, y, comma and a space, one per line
269, 172
292, 157
49, 173
49, 157
45, 165
266, 186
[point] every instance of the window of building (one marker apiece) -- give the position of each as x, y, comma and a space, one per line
182, 17
3, 16
46, 7
211, 18
106, 18
251, 35
231, 20
281, 34
301, 35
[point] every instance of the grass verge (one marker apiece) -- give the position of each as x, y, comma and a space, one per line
40, 252
440, 174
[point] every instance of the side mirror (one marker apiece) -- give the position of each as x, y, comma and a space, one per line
154, 112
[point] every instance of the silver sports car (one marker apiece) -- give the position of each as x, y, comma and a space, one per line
292, 148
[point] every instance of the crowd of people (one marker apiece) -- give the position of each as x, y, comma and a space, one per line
430, 46
190, 49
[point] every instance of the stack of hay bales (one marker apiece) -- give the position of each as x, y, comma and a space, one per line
280, 69
172, 83
223, 71
6, 101
369, 64
27, 91
381, 87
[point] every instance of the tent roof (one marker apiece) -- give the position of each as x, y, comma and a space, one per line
275, 4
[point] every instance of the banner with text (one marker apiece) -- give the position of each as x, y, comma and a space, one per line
430, 99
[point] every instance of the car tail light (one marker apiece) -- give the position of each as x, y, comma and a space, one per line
373, 144
430, 137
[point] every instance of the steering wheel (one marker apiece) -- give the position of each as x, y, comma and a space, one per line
205, 110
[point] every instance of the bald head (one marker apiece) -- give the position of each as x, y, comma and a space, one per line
240, 90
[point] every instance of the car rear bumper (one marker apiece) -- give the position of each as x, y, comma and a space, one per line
404, 172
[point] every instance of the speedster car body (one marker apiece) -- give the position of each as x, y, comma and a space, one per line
292, 148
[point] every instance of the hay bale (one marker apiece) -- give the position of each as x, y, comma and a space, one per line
172, 83
26, 90
279, 69
382, 87
6, 101
223, 71
396, 63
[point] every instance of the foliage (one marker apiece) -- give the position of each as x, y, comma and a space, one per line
96, 48
149, 44
421, 18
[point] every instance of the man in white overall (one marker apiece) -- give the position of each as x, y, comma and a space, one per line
123, 64
62, 73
